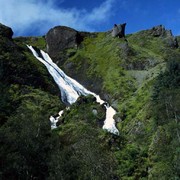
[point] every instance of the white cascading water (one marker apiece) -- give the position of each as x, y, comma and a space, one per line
70, 90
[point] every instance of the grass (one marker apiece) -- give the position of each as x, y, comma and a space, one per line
38, 42
128, 74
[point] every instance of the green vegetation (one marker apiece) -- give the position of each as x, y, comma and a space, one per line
133, 73
85, 104
77, 149
38, 42
140, 77
25, 136
164, 151
29, 148
100, 56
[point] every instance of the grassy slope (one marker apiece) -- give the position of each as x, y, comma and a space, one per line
29, 149
133, 78
28, 97
129, 73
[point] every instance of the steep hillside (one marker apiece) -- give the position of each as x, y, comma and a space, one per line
28, 97
139, 76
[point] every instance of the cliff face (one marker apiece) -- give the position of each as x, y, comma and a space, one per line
61, 38
139, 77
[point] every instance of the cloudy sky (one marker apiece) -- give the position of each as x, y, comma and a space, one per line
36, 17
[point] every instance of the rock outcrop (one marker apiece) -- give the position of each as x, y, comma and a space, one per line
118, 30
6, 31
159, 31
169, 39
61, 38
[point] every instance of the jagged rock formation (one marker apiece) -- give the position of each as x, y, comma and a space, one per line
169, 39
118, 30
160, 31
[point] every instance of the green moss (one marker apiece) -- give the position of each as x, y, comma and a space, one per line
100, 57
82, 111
38, 42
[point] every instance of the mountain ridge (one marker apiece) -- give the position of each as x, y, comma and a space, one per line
138, 76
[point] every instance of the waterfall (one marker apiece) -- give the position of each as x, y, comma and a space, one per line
70, 90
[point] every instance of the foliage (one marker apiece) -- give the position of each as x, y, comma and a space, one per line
81, 153
139, 77
25, 136
164, 152
38, 42
99, 57
85, 104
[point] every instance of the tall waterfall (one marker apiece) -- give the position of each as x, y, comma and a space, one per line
70, 90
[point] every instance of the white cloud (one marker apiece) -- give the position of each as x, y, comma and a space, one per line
23, 15
102, 12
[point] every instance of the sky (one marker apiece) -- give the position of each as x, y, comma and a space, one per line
37, 17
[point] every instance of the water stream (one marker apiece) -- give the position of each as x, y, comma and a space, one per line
70, 90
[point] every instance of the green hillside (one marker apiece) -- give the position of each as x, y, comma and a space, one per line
139, 76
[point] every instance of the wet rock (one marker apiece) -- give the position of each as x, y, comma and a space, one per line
85, 99
117, 117
94, 111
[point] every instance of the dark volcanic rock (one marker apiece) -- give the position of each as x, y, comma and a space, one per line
6, 31
61, 38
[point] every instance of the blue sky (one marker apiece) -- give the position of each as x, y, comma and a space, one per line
36, 17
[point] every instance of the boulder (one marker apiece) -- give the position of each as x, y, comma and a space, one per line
118, 30
6, 31
61, 38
